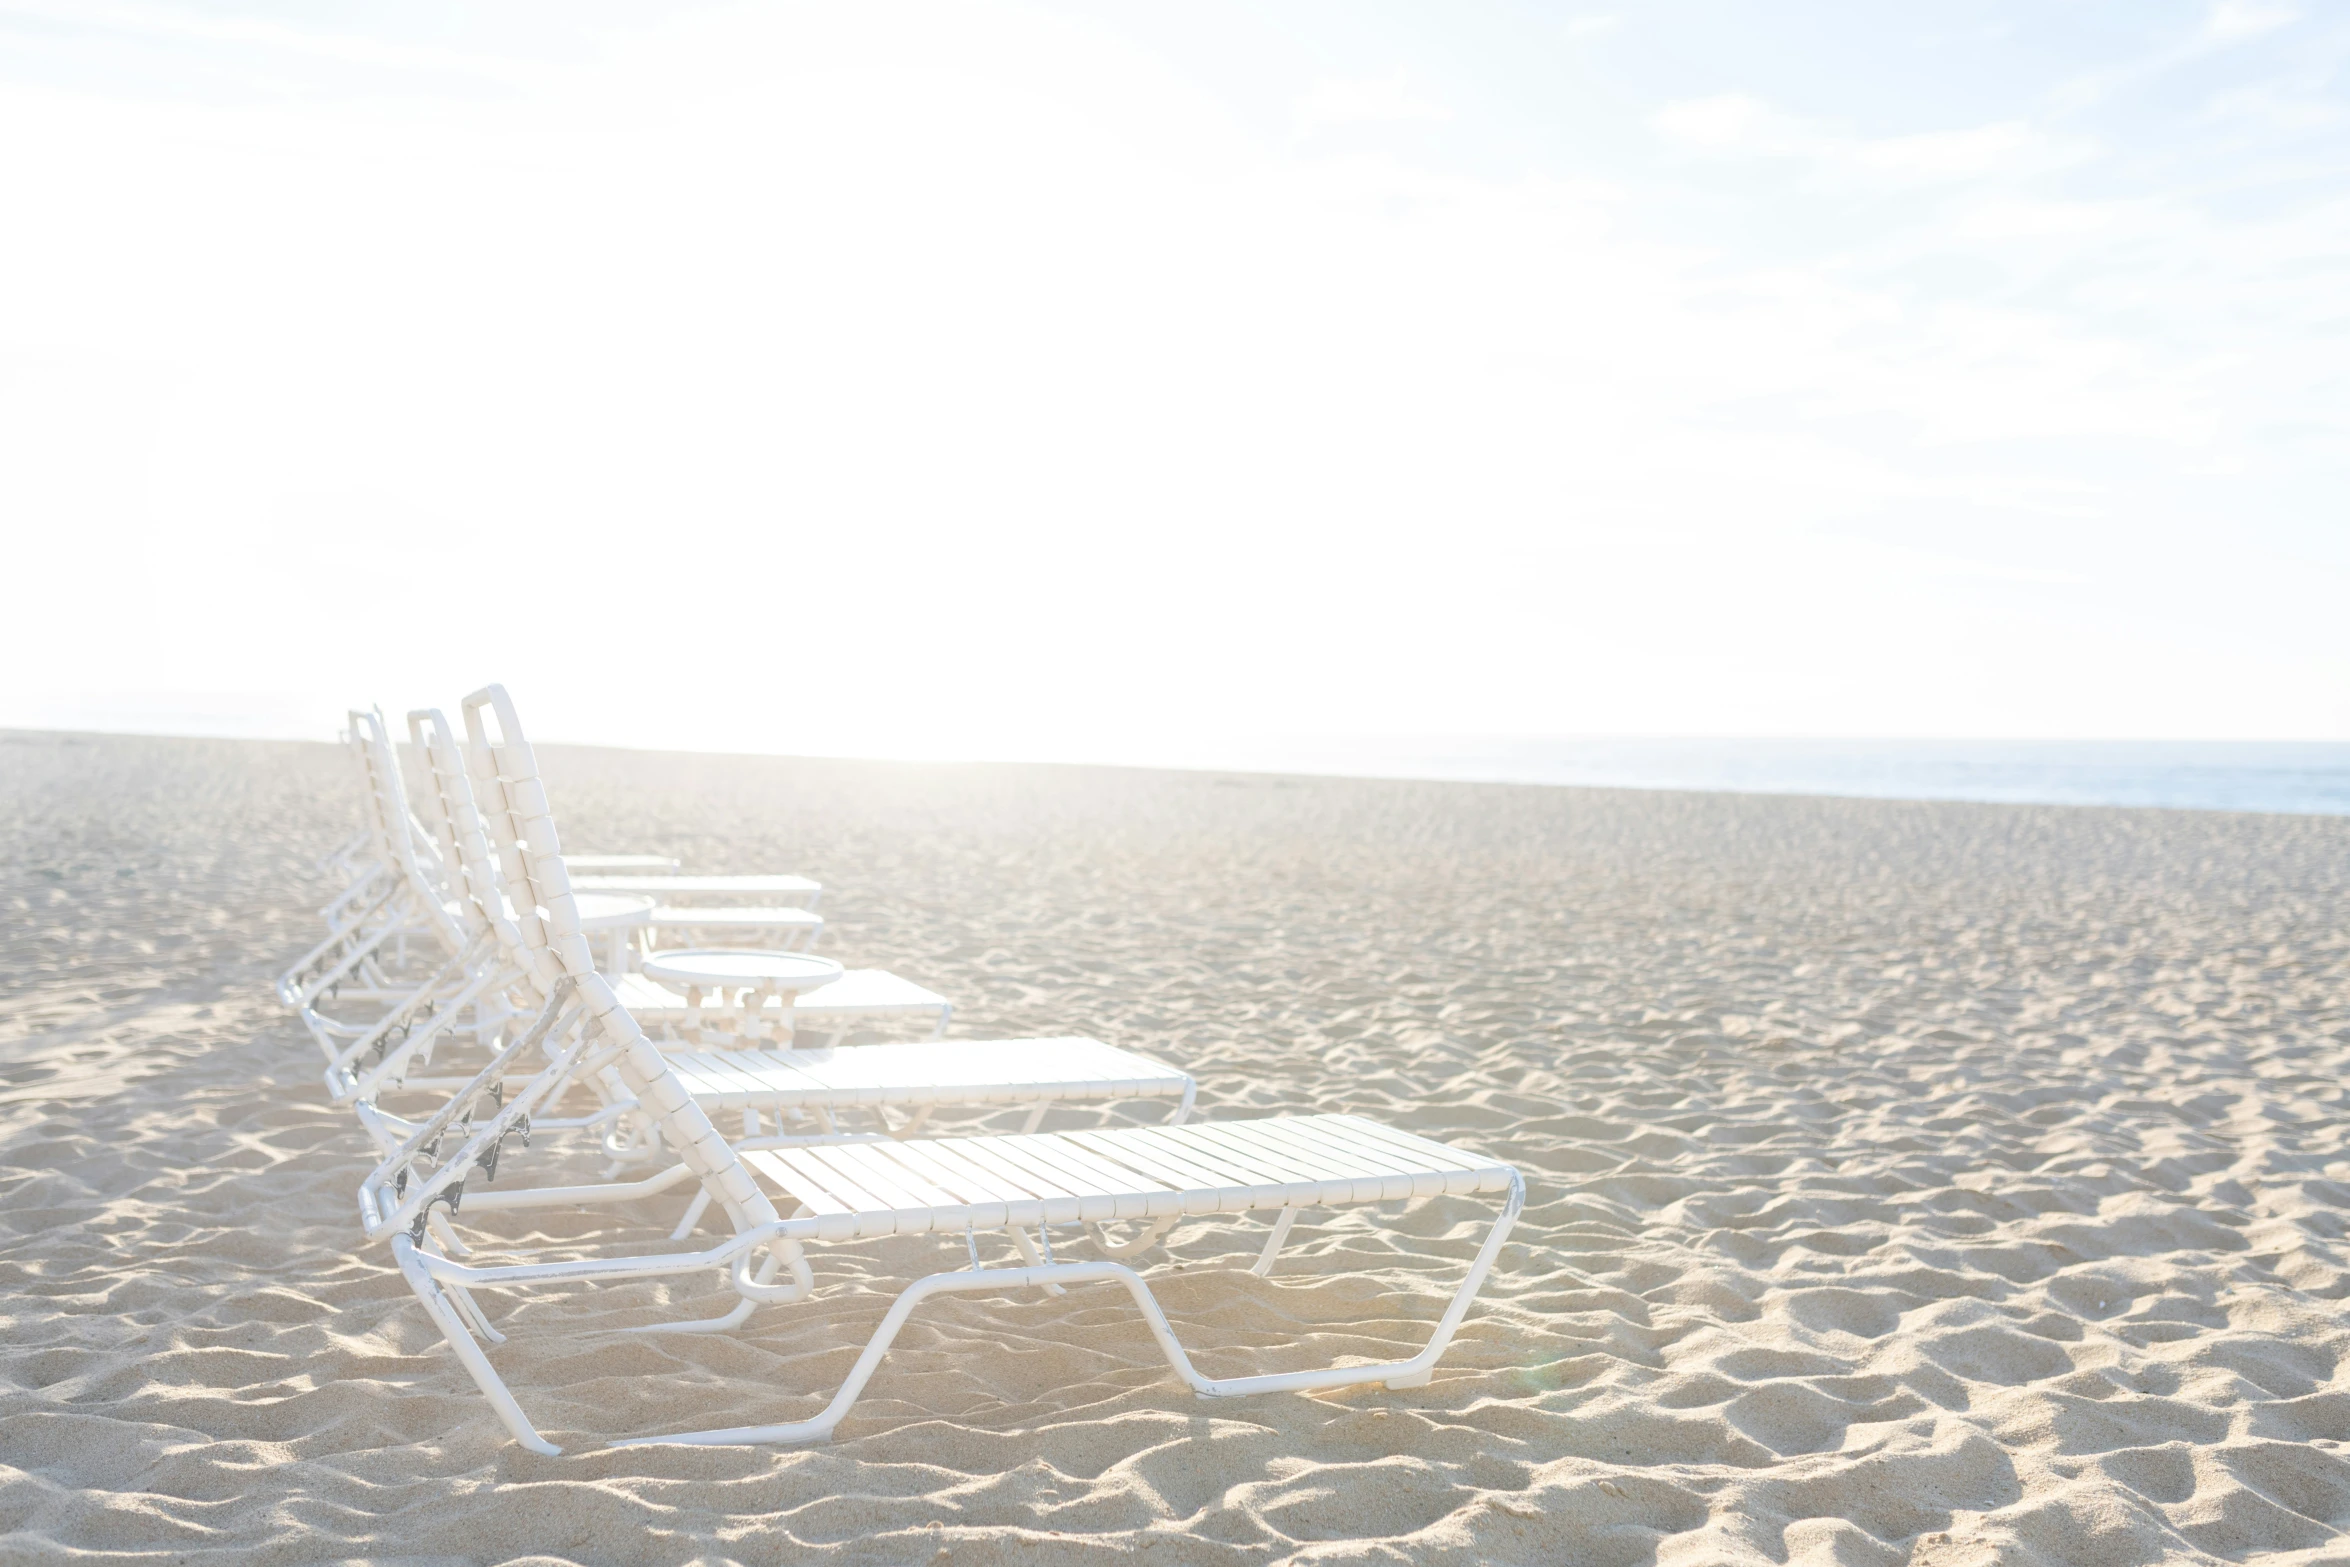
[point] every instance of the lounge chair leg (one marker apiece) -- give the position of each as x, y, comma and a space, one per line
693, 1215
820, 1429
1397, 1373
1028, 1255
446, 1233
472, 1312
1263, 1266
1141, 1241
469, 1355
1414, 1372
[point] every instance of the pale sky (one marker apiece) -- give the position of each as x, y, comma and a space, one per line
1001, 379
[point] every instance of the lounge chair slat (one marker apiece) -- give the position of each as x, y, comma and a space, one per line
992, 1174
880, 1162
820, 1200
1012, 1071
967, 1182
1442, 1155
1449, 1171
1225, 1163
1175, 1174
1239, 1182
1280, 1161
1021, 1153
697, 886
1120, 1183
840, 1078
1225, 1185
1467, 1172
1039, 1187
1097, 1198
1322, 1163
1377, 1177
1070, 1146
1170, 1170
823, 1177
776, 1082
1330, 1145
896, 1191
702, 1085
1109, 1188
692, 1079
1126, 1173
1356, 1133
738, 1081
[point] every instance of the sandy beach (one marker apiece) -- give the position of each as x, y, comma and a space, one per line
1942, 1184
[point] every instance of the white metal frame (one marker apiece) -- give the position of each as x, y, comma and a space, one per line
511, 798
1343, 1160
522, 942
509, 967
395, 898
796, 927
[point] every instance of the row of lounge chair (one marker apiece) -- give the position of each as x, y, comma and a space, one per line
465, 936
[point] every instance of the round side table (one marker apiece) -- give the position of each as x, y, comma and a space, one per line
614, 916
742, 978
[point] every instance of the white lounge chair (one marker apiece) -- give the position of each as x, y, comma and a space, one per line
408, 883
360, 859
510, 795
397, 898
821, 1084
672, 922
504, 951
366, 905
459, 990
528, 956
826, 1085
952, 1186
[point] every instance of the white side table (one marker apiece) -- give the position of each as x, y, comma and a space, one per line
743, 978
616, 917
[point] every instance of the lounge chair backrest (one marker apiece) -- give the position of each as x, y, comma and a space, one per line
509, 796
379, 827
368, 847
430, 813
471, 872
504, 767
389, 819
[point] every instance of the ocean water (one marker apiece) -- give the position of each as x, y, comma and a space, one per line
2295, 777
